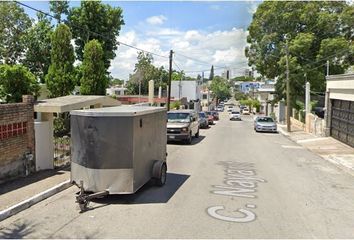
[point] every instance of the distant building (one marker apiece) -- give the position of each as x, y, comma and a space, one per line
265, 94
191, 90
118, 91
248, 73
248, 87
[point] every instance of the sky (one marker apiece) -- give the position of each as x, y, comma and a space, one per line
201, 34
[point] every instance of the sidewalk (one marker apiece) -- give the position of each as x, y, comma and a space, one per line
328, 148
23, 192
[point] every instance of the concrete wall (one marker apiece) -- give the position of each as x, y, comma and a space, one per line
189, 89
338, 87
44, 146
314, 125
17, 143
341, 87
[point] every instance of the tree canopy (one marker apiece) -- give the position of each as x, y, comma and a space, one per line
220, 88
16, 81
14, 23
144, 72
94, 80
61, 77
315, 31
95, 20
59, 8
38, 44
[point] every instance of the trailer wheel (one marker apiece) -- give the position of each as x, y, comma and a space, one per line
83, 206
163, 176
159, 173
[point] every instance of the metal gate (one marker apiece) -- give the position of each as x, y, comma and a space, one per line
62, 151
342, 122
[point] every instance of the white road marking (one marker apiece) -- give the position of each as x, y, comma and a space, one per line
292, 147
311, 140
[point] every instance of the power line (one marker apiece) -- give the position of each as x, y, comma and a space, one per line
174, 62
197, 60
92, 32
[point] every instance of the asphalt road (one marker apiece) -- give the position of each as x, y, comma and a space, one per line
230, 183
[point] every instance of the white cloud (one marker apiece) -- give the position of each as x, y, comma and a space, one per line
218, 48
156, 20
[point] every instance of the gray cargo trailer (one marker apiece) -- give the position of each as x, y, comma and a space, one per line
116, 150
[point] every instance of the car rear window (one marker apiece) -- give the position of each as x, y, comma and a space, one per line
235, 112
265, 119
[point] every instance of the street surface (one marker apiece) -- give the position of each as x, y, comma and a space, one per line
230, 183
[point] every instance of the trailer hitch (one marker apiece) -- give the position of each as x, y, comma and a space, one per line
83, 198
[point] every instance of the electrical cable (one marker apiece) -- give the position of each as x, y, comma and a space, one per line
196, 60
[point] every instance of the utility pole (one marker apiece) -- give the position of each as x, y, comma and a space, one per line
327, 68
169, 82
288, 101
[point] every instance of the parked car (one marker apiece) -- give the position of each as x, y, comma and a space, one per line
210, 118
245, 111
235, 115
203, 120
265, 124
215, 115
182, 125
219, 108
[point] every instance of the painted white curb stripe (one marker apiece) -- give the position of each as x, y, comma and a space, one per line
292, 147
312, 140
33, 200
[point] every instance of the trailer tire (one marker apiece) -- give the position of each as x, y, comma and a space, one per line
159, 172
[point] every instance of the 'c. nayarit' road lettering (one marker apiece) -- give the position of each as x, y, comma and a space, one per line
240, 181
246, 215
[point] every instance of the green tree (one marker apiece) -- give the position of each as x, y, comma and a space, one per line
59, 8
61, 76
93, 81
211, 76
115, 81
240, 96
220, 88
14, 23
315, 32
144, 72
95, 20
16, 81
243, 79
38, 44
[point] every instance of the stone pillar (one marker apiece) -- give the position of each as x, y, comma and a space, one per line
49, 118
328, 115
151, 92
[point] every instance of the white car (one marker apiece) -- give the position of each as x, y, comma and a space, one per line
245, 111
235, 115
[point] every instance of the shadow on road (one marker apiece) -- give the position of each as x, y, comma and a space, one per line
149, 193
17, 231
194, 141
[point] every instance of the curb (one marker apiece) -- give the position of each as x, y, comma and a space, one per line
283, 132
33, 200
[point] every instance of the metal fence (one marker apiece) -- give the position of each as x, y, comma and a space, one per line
62, 152
342, 123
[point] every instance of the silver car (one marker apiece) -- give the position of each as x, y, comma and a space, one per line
265, 124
